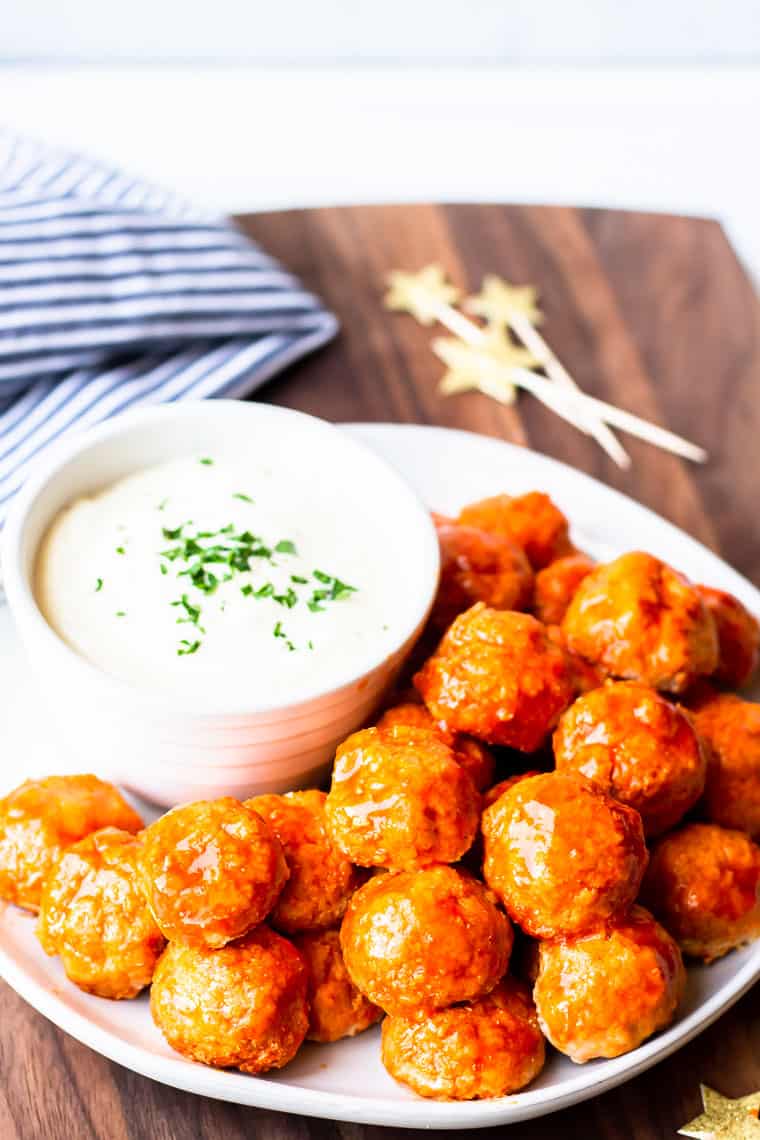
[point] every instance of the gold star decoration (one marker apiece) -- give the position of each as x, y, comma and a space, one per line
725, 1119
422, 294
482, 367
467, 372
500, 302
487, 358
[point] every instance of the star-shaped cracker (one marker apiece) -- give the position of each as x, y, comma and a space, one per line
483, 367
725, 1119
500, 302
422, 294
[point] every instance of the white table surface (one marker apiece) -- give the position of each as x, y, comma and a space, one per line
675, 139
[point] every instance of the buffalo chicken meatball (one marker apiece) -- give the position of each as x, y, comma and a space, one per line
601, 994
473, 860
210, 871
562, 855
634, 744
488, 1047
94, 915
243, 1007
532, 521
473, 756
583, 675
738, 637
321, 878
497, 676
497, 790
479, 567
730, 727
557, 584
703, 883
419, 941
641, 621
41, 818
399, 799
336, 1007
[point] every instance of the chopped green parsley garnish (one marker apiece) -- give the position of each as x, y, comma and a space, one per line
98, 585
206, 461
280, 632
121, 613
162, 505
332, 591
193, 612
337, 589
209, 558
244, 498
120, 550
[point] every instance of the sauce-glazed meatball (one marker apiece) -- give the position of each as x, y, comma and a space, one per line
336, 1007
730, 727
399, 799
41, 818
562, 855
321, 879
94, 915
603, 993
473, 860
485, 1048
476, 759
497, 675
497, 790
210, 871
241, 1007
633, 743
703, 883
641, 621
418, 941
738, 637
556, 586
473, 756
583, 675
479, 567
533, 521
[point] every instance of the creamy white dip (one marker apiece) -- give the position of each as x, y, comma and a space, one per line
217, 576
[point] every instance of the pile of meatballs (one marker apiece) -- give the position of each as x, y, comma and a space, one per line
559, 801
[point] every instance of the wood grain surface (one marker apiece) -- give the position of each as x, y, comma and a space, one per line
651, 312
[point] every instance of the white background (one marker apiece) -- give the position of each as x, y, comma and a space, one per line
383, 30
248, 105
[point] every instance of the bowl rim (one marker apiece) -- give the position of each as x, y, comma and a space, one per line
28, 615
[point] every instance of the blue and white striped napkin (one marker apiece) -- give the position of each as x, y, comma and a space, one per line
114, 293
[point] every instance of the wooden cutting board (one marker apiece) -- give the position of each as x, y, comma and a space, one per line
652, 313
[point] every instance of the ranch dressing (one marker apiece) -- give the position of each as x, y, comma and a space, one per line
216, 577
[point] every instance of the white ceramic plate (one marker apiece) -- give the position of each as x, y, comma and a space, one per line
346, 1081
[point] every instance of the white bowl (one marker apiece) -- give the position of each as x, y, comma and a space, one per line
164, 748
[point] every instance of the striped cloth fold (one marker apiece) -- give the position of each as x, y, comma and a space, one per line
115, 293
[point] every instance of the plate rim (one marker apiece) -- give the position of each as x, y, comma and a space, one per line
415, 1112
178, 1072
